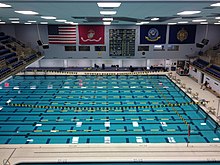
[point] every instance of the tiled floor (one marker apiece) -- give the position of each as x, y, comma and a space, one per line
12, 154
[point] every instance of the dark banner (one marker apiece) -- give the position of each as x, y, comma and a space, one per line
182, 34
153, 34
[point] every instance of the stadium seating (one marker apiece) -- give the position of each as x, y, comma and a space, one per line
4, 71
4, 51
214, 70
200, 63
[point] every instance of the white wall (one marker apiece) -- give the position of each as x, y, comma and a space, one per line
197, 75
214, 84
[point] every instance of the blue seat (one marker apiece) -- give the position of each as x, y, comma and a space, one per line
200, 63
31, 57
3, 37
215, 67
11, 60
213, 72
4, 51
17, 64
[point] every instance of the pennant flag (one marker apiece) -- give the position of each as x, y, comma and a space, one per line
153, 34
91, 34
62, 34
182, 34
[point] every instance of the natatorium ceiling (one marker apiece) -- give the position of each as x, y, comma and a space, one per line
129, 12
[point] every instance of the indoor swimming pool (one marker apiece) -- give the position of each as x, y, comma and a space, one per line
100, 109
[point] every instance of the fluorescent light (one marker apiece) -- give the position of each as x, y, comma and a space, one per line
60, 20
171, 23
217, 17
72, 23
183, 22
139, 23
15, 22
14, 19
2, 22
27, 23
204, 23
154, 19
215, 4
158, 46
107, 19
107, 23
48, 17
108, 4
43, 23
27, 12
68, 22
217, 23
198, 20
188, 12
32, 21
144, 22
108, 12
4, 5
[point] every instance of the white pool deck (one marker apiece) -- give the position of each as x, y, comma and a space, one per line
13, 154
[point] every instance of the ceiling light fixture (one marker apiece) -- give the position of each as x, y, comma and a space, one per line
60, 20
139, 23
48, 17
14, 19
154, 19
108, 4
183, 22
27, 23
2, 22
204, 23
107, 19
145, 22
43, 23
188, 12
217, 23
27, 12
172, 23
107, 23
217, 17
199, 20
32, 21
108, 12
215, 4
4, 5
15, 22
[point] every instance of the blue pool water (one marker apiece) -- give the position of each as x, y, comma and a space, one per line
100, 109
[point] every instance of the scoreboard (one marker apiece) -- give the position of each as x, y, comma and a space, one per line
122, 42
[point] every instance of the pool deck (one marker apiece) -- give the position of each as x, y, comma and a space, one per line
12, 154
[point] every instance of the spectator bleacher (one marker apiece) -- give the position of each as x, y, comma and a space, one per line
200, 63
214, 70
13, 55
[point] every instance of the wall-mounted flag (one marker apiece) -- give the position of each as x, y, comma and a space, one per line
153, 34
182, 34
62, 34
89, 35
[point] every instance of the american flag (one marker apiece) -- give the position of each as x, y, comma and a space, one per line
61, 34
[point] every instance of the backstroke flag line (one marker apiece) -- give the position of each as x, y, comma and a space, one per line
182, 34
153, 34
62, 34
89, 35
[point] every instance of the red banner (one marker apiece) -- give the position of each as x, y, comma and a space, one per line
89, 35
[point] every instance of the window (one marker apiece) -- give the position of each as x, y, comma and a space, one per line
84, 48
159, 48
173, 48
100, 48
70, 48
143, 48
